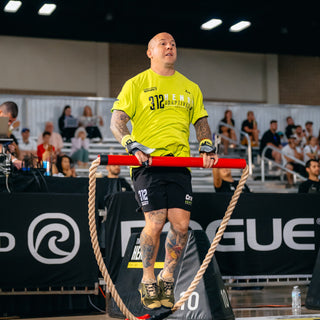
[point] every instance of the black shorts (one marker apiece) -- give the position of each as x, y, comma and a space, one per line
162, 188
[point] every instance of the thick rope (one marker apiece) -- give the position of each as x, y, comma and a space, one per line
205, 263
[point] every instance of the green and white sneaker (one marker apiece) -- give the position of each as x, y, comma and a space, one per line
166, 294
149, 292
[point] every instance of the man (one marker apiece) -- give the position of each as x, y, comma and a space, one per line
27, 146
271, 138
312, 185
114, 173
300, 135
292, 151
290, 128
250, 126
55, 139
161, 103
9, 109
308, 129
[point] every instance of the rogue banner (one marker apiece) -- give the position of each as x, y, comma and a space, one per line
44, 241
268, 234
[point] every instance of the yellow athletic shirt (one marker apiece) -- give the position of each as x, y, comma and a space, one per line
161, 109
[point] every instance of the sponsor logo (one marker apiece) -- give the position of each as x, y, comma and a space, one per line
143, 195
57, 232
150, 89
188, 199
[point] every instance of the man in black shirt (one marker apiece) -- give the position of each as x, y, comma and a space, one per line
312, 185
250, 126
290, 128
271, 138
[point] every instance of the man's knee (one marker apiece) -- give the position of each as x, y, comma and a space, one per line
155, 220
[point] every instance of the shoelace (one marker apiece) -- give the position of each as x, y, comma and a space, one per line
168, 287
151, 289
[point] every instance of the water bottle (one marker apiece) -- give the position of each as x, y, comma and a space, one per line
46, 165
296, 300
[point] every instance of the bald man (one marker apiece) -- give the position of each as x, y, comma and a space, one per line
161, 103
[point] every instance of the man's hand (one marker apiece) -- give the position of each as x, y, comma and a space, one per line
209, 159
144, 159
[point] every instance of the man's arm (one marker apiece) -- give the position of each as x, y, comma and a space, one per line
203, 132
118, 124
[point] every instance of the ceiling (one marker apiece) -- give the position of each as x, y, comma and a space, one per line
283, 27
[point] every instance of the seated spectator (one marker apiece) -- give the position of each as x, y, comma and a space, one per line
271, 138
289, 151
46, 151
80, 147
250, 126
67, 124
290, 128
308, 128
312, 185
300, 135
224, 182
91, 123
63, 167
114, 172
55, 138
226, 131
27, 146
311, 150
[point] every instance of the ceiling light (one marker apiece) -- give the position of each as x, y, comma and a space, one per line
47, 9
240, 26
211, 24
12, 6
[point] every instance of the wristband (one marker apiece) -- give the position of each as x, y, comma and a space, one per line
206, 146
133, 146
127, 139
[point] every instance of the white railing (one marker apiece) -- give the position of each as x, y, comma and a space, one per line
279, 165
240, 133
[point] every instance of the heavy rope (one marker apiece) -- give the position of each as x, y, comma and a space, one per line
203, 267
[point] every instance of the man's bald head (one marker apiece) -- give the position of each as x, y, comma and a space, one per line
158, 37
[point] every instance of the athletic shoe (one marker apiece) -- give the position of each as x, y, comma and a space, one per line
166, 295
149, 295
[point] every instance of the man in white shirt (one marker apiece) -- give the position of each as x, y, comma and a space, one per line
27, 146
292, 151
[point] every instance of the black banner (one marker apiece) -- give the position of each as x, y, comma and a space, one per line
44, 241
268, 234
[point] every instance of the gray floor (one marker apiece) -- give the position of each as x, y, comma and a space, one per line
271, 302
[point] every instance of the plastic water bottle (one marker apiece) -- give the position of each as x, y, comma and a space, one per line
46, 165
296, 300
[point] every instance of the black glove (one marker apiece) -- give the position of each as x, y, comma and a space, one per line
206, 146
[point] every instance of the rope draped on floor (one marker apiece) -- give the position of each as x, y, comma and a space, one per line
203, 267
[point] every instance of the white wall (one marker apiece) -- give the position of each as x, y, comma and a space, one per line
231, 76
54, 65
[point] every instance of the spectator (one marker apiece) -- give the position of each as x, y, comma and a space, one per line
91, 122
289, 151
308, 128
55, 139
80, 147
300, 135
311, 150
224, 182
271, 138
250, 126
63, 167
312, 185
226, 131
67, 124
114, 172
46, 151
27, 146
290, 128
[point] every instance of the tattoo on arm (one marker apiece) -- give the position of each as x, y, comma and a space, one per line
175, 243
202, 129
147, 249
118, 124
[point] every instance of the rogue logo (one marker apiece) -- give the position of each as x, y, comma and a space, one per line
280, 233
287, 233
40, 230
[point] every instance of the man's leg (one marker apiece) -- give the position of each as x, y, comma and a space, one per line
149, 242
176, 240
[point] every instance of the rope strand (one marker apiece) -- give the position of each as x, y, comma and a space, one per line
205, 263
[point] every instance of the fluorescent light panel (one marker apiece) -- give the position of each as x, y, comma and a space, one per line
47, 9
12, 6
213, 23
240, 26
